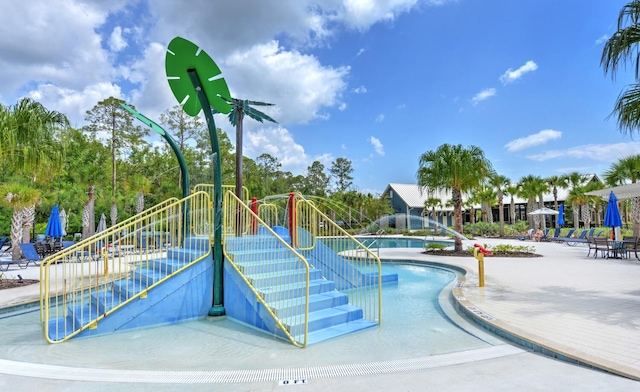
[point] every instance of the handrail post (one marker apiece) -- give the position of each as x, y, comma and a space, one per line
254, 209
292, 219
480, 257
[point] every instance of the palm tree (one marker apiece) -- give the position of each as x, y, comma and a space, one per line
431, 203
18, 197
499, 182
531, 188
579, 199
453, 168
512, 190
28, 141
487, 198
575, 180
622, 48
555, 182
241, 107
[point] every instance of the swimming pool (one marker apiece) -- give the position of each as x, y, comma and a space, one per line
399, 242
412, 326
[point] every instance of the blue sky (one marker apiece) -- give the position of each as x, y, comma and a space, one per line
377, 82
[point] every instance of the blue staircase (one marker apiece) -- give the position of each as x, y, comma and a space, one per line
269, 261
185, 296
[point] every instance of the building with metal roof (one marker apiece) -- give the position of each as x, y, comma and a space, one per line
408, 202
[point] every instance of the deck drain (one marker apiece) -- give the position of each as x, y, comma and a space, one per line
245, 376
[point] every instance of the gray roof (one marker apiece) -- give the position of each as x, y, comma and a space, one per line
414, 196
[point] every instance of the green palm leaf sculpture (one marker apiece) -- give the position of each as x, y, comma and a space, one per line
182, 56
196, 83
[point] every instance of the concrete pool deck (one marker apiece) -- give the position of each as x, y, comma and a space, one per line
583, 309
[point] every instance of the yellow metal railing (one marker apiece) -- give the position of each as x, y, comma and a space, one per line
268, 212
342, 258
208, 188
93, 278
258, 257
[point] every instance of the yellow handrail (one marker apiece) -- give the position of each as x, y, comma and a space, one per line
256, 252
79, 284
354, 268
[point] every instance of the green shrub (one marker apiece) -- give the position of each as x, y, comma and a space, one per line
434, 247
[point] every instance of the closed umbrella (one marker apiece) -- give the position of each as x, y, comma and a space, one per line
54, 228
63, 221
560, 221
102, 225
612, 215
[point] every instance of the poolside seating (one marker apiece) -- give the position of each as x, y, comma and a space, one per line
548, 238
602, 245
569, 234
31, 254
582, 239
5, 241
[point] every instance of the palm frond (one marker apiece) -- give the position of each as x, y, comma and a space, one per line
627, 109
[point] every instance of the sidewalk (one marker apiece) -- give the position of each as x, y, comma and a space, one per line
580, 308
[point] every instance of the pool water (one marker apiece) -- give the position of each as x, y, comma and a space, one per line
412, 326
398, 242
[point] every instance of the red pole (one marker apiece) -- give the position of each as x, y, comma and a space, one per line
254, 208
292, 219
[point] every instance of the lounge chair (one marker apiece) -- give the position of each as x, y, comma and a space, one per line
569, 234
5, 241
582, 238
30, 254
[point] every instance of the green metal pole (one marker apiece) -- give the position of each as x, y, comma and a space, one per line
218, 268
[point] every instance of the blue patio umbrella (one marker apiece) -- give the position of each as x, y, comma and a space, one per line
54, 228
612, 216
561, 215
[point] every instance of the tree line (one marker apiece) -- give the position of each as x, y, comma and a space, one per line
109, 167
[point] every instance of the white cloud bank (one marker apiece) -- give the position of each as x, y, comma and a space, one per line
597, 152
536, 139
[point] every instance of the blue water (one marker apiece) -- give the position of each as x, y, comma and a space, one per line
412, 326
399, 242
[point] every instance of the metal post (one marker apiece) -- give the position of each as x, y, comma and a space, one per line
218, 269
292, 220
480, 257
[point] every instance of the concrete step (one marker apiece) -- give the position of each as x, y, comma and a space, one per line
254, 267
287, 276
294, 290
326, 318
339, 330
320, 301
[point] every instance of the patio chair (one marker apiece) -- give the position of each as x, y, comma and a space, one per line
30, 254
582, 238
569, 234
5, 241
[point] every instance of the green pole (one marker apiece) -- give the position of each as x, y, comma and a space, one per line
218, 307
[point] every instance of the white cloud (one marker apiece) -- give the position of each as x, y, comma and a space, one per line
482, 95
602, 39
74, 103
343, 146
278, 142
360, 52
342, 107
360, 90
377, 145
598, 152
536, 139
380, 118
511, 76
296, 83
117, 41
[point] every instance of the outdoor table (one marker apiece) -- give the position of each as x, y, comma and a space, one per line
617, 249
